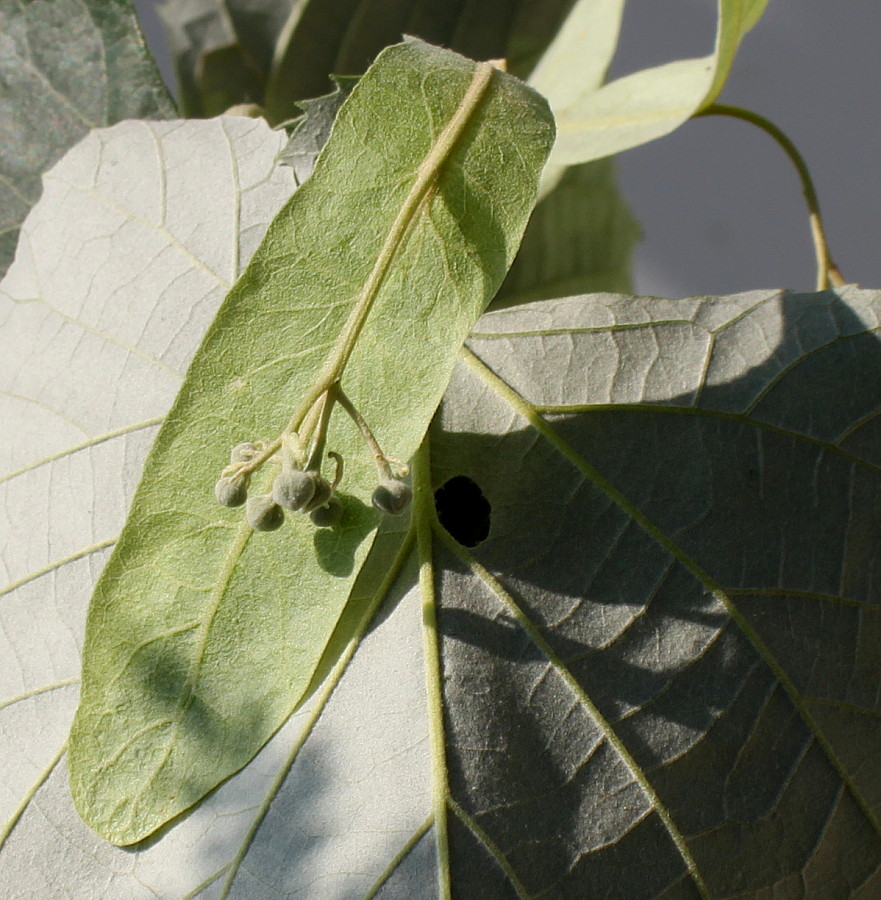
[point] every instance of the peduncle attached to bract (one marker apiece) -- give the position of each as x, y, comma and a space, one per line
298, 485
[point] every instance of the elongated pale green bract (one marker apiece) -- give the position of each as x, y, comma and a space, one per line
202, 636
596, 121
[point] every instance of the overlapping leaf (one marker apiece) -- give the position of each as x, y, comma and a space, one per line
342, 37
65, 67
661, 667
201, 638
134, 285
280, 51
309, 132
98, 329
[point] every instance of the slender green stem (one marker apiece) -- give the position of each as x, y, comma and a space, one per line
320, 432
426, 180
828, 273
379, 457
423, 513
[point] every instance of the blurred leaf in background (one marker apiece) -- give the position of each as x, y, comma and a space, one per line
65, 67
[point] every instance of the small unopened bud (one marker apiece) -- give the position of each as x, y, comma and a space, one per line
392, 497
328, 515
230, 492
263, 513
323, 493
293, 489
242, 453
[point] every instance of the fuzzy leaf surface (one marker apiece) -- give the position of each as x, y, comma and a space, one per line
65, 67
667, 649
202, 636
650, 445
98, 330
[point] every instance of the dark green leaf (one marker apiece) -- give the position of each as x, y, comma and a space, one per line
342, 37
226, 78
201, 34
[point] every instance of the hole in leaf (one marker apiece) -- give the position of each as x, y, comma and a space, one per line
463, 510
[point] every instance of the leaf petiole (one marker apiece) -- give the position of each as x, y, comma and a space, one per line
387, 466
828, 274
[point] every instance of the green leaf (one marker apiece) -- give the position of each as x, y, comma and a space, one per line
202, 636
595, 121
65, 67
578, 241
595, 682
342, 37
226, 78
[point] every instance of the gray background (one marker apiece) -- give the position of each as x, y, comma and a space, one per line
719, 203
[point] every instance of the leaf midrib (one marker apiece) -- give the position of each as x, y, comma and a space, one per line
423, 186
419, 194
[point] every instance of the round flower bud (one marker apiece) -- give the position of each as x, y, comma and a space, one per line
328, 515
323, 493
231, 492
263, 514
392, 497
293, 489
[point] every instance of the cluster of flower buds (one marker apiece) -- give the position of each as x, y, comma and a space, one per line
292, 489
299, 486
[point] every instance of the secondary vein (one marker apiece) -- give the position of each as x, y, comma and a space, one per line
520, 405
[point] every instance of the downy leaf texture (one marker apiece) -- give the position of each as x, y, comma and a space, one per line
65, 67
203, 636
660, 666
